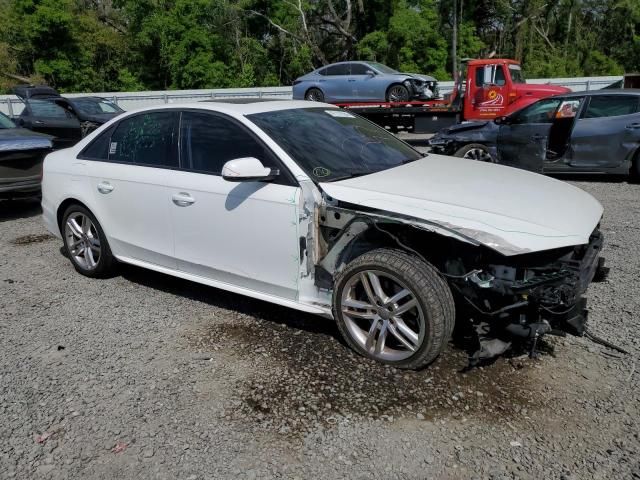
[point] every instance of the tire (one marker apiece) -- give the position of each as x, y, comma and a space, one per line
370, 327
475, 151
314, 95
397, 93
86, 244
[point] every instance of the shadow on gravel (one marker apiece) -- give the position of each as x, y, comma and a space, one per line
15, 209
592, 177
304, 376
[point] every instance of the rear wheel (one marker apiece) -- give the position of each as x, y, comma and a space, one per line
314, 95
394, 308
85, 243
397, 93
475, 151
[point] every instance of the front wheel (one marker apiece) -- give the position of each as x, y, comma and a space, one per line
394, 308
397, 93
85, 243
475, 151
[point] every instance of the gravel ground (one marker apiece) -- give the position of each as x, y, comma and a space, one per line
146, 376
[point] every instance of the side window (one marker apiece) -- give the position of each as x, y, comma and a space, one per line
99, 148
479, 76
46, 109
499, 76
340, 69
209, 141
359, 69
569, 108
322, 72
542, 111
145, 139
611, 106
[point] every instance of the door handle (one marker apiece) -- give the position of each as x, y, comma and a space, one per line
105, 187
537, 137
183, 199
352, 79
633, 126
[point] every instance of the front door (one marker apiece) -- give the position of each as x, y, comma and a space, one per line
336, 83
607, 133
490, 95
242, 234
523, 136
129, 185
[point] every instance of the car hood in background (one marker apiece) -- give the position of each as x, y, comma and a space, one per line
424, 78
506, 209
14, 139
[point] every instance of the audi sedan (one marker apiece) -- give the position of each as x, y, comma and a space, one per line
314, 208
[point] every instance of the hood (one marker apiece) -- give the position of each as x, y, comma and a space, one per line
461, 127
509, 210
539, 90
14, 139
417, 76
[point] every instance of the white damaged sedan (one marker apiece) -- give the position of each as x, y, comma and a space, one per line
312, 207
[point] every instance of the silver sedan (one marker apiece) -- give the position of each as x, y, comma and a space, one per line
363, 82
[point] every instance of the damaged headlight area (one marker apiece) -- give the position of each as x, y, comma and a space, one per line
527, 296
422, 89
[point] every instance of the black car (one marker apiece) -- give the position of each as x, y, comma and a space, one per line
581, 132
21, 155
66, 119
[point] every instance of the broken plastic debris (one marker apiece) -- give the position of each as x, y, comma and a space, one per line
43, 438
515, 443
120, 447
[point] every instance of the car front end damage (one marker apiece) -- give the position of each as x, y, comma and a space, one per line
422, 87
502, 300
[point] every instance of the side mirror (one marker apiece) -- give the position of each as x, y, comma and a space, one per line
501, 120
371, 73
248, 169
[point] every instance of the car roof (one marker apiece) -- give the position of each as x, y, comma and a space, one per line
240, 107
596, 93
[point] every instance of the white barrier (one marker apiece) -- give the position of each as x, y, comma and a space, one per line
12, 106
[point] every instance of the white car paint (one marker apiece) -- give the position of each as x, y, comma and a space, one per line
244, 237
507, 209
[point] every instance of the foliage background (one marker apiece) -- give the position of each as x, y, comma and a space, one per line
125, 45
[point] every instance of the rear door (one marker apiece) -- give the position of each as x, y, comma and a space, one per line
523, 137
127, 167
336, 84
607, 132
45, 116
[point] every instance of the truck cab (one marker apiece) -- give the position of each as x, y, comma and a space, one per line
497, 87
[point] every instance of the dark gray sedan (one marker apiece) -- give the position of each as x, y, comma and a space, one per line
21, 154
581, 132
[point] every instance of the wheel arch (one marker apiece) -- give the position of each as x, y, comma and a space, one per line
64, 205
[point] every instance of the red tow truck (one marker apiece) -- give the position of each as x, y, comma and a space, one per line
486, 89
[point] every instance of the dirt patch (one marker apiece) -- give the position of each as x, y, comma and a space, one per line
29, 239
303, 378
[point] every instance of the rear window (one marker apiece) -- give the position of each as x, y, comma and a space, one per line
611, 106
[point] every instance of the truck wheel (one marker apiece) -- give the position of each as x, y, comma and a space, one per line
397, 93
314, 95
394, 308
475, 151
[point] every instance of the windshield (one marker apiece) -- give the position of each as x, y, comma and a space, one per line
330, 144
516, 74
95, 106
5, 122
382, 68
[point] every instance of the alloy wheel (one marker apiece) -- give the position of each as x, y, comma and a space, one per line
382, 315
398, 93
478, 154
83, 240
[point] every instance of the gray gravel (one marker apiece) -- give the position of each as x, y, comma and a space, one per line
146, 376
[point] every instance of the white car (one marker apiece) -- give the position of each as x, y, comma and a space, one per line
312, 207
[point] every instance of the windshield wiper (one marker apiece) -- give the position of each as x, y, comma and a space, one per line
350, 175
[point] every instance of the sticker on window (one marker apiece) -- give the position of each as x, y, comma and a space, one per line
321, 172
113, 147
339, 114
